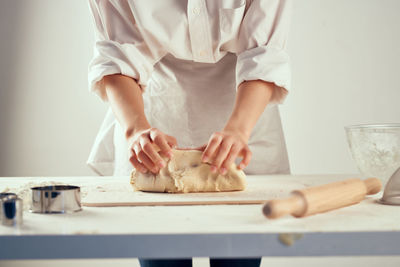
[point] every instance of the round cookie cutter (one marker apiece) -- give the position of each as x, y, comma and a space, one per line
56, 199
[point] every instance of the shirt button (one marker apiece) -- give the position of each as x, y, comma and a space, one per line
203, 53
196, 10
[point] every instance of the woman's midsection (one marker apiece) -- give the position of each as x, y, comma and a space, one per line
190, 99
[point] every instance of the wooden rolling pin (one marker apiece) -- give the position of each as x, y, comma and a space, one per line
322, 198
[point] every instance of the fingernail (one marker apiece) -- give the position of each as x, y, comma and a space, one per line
205, 159
170, 154
161, 163
213, 169
223, 171
241, 166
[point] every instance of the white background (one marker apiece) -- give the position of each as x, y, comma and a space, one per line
345, 57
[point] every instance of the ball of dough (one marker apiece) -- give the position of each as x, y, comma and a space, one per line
185, 173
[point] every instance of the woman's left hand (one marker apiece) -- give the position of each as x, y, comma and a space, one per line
224, 147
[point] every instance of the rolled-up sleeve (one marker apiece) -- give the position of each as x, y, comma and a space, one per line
119, 46
261, 51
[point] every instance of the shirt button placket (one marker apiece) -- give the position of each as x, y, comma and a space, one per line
197, 29
195, 11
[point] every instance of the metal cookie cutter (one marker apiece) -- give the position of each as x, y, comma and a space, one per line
11, 209
56, 199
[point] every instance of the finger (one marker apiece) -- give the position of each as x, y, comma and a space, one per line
147, 162
233, 154
137, 165
211, 147
171, 141
133, 158
151, 152
161, 142
246, 158
136, 149
143, 158
223, 152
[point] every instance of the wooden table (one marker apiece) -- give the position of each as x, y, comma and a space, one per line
199, 231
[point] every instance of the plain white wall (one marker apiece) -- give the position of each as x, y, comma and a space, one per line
345, 58
48, 118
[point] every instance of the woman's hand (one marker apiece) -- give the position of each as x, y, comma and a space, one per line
147, 146
224, 147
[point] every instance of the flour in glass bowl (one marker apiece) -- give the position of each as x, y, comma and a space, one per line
376, 150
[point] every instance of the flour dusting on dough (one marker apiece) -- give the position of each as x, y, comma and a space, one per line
185, 173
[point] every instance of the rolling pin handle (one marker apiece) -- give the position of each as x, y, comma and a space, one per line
374, 185
276, 208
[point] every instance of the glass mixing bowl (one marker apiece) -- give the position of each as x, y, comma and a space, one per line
375, 149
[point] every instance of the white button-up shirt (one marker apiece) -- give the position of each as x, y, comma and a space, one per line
189, 57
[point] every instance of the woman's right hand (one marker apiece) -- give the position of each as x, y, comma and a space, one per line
146, 148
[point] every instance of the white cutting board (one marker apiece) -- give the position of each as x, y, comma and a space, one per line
121, 193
